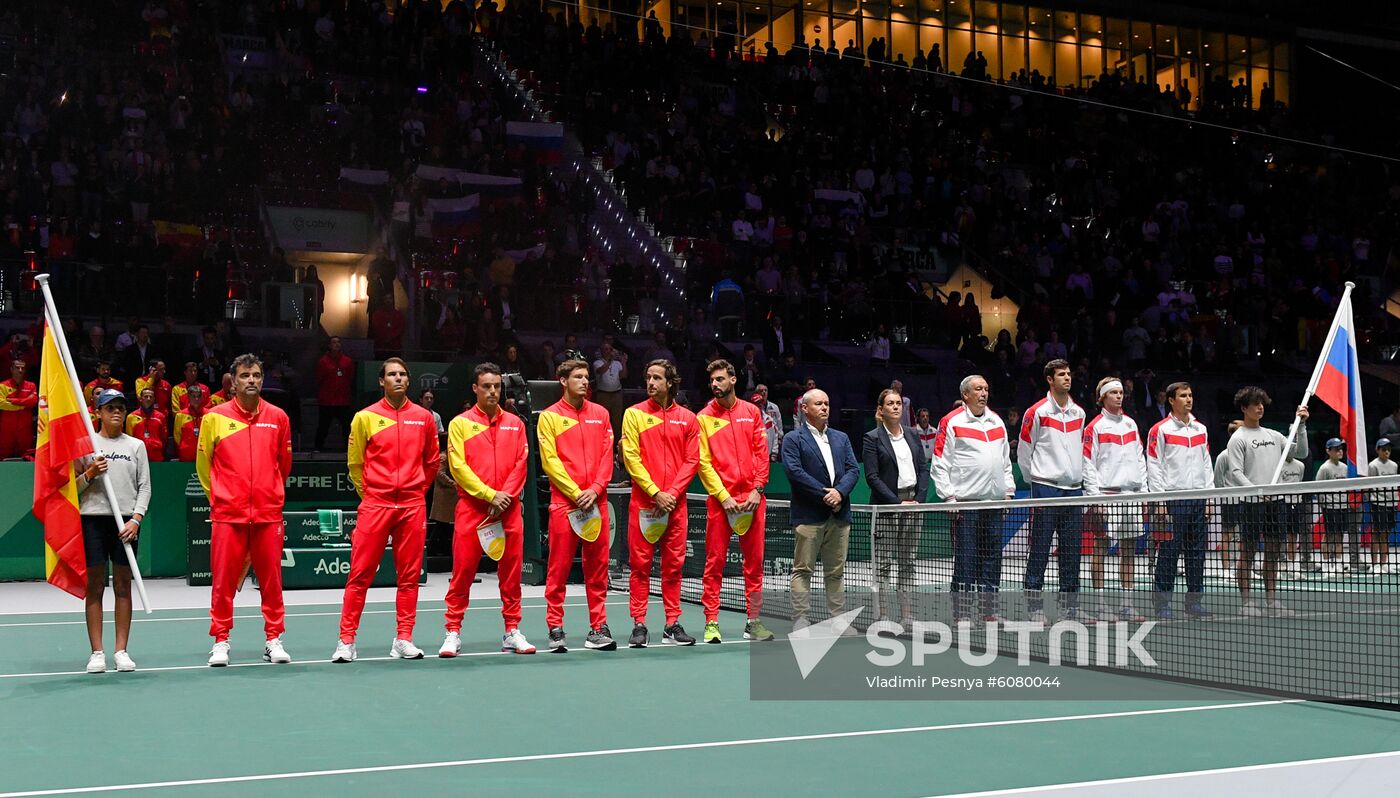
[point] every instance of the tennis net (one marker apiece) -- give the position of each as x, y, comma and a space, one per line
1312, 609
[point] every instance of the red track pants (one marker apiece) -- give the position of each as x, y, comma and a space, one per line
16, 433
563, 544
374, 527
672, 546
466, 557
717, 535
231, 546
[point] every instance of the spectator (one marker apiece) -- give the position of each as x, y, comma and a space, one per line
609, 370
137, 356
772, 420
335, 380
386, 327
18, 398
148, 424
90, 352
211, 361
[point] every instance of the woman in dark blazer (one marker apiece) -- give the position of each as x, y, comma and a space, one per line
897, 473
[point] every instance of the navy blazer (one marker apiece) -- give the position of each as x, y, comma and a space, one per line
882, 469
806, 470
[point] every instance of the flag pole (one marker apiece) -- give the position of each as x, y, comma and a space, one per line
1315, 379
56, 329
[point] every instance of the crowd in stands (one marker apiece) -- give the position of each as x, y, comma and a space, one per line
819, 180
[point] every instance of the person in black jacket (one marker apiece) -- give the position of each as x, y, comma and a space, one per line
897, 473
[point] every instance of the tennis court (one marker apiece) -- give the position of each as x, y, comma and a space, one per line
631, 722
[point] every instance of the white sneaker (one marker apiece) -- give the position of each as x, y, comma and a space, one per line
274, 652
218, 657
404, 649
123, 662
515, 641
1277, 610
451, 645
97, 663
1251, 610
344, 652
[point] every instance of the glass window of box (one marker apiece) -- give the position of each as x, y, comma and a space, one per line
987, 35
1167, 60
903, 36
875, 24
930, 12
1041, 43
1066, 48
1013, 39
959, 33
1116, 38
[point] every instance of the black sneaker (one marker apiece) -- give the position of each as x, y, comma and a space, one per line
1196, 611
675, 635
600, 639
556, 640
639, 637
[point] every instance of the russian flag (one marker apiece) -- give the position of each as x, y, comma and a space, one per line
1338, 384
458, 217
494, 188
545, 139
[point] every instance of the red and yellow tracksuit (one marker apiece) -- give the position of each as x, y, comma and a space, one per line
149, 428
92, 389
661, 450
733, 464
393, 457
179, 396
243, 462
486, 456
576, 452
17, 404
162, 391
217, 398
186, 433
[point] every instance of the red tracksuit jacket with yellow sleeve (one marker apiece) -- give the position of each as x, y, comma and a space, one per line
733, 450
576, 448
15, 398
243, 462
487, 454
393, 454
660, 448
149, 428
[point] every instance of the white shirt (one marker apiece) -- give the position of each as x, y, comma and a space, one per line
824, 444
905, 459
609, 374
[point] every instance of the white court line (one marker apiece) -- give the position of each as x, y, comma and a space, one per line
1185, 774
474, 606
649, 749
206, 667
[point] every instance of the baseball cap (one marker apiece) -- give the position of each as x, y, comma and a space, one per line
1382, 442
109, 396
1335, 443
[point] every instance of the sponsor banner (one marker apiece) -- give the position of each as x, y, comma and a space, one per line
319, 229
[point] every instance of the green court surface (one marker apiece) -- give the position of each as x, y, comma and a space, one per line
632, 722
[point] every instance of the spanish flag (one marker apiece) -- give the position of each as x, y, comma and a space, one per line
63, 437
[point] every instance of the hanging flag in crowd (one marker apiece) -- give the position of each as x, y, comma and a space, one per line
63, 437
494, 189
544, 139
455, 218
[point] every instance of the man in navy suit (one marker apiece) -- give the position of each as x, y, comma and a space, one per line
897, 473
821, 466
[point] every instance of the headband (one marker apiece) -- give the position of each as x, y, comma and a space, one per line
1109, 386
